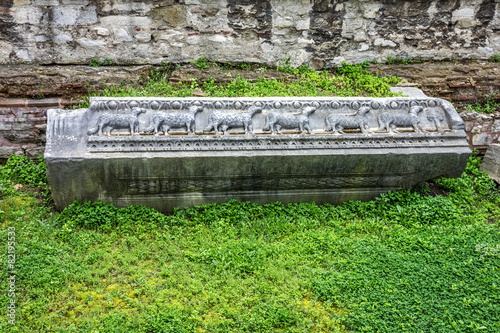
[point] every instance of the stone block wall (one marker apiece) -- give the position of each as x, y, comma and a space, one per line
482, 129
458, 82
22, 126
321, 33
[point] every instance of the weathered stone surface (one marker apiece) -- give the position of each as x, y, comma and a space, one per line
481, 139
409, 91
491, 162
69, 81
5, 152
170, 152
266, 31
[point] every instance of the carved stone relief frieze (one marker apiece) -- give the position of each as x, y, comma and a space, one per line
284, 118
177, 152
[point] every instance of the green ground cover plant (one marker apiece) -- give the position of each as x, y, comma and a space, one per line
202, 63
490, 104
409, 261
348, 80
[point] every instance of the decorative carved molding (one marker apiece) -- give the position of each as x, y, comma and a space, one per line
266, 142
103, 104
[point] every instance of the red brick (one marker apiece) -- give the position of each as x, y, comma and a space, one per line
193, 33
453, 78
11, 102
465, 70
71, 85
467, 85
433, 85
464, 98
226, 32
443, 92
491, 84
485, 78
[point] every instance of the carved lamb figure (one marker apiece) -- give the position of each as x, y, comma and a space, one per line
115, 121
220, 121
437, 119
275, 121
337, 123
390, 121
169, 120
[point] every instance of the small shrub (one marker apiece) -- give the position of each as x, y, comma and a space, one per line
245, 66
201, 63
286, 66
360, 79
490, 104
495, 57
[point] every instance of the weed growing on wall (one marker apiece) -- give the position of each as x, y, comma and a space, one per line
490, 104
94, 62
495, 57
202, 63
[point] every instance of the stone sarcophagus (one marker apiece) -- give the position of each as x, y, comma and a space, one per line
177, 152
